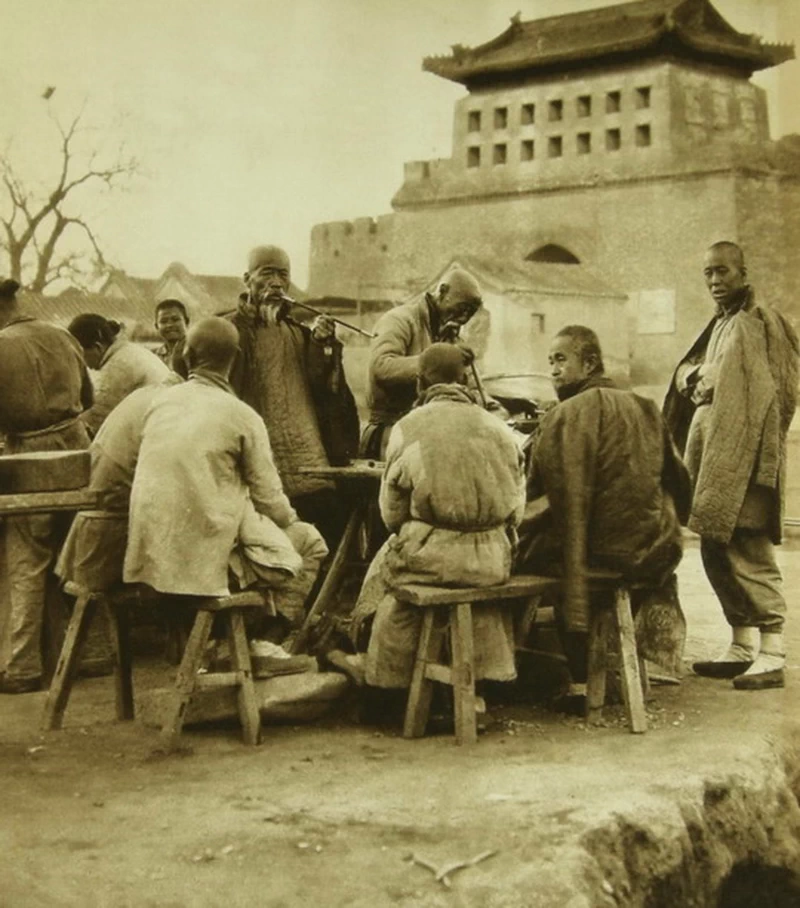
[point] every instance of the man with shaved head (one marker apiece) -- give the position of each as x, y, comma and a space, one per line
203, 455
293, 377
452, 495
729, 407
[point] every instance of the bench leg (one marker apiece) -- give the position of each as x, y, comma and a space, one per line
66, 669
429, 648
645, 677
249, 714
629, 662
187, 679
463, 673
597, 664
61, 684
123, 670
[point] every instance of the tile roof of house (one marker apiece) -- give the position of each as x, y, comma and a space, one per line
63, 308
130, 286
687, 28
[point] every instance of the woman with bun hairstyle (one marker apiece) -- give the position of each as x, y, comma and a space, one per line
120, 365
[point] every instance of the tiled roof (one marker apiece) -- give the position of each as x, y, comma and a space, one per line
220, 287
130, 286
63, 308
683, 27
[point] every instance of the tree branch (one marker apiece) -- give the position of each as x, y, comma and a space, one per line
30, 239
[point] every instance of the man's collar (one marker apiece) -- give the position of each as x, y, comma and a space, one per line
743, 301
593, 381
206, 377
21, 317
445, 391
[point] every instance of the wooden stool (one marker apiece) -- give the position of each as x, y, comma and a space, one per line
460, 674
231, 608
615, 622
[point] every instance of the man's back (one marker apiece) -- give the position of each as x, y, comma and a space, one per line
202, 451
43, 377
459, 464
604, 452
617, 491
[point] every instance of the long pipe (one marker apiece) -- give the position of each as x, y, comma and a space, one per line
333, 318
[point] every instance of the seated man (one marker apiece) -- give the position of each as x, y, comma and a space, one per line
617, 492
262, 553
452, 494
94, 551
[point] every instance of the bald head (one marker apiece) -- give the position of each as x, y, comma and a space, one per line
459, 299
441, 364
268, 274
211, 345
273, 256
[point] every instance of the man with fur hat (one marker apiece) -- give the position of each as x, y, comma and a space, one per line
401, 335
293, 377
729, 407
44, 387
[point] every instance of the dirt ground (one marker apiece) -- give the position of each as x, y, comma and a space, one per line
330, 813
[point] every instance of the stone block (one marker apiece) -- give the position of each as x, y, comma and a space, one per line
284, 698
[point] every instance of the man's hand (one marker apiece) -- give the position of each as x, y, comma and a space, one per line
323, 329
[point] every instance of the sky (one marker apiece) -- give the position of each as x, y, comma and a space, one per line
252, 120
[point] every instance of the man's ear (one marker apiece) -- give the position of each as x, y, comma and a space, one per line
246, 277
590, 360
743, 269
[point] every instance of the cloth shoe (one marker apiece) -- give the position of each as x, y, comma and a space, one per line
738, 658
767, 671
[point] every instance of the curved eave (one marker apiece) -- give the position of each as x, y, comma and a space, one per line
740, 57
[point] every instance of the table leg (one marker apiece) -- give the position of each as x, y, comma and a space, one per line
333, 579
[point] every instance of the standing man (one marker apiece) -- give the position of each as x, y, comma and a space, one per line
172, 320
44, 387
401, 335
294, 379
729, 406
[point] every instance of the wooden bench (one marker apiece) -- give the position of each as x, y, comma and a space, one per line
460, 673
189, 678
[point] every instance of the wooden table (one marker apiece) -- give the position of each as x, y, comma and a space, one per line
365, 476
84, 499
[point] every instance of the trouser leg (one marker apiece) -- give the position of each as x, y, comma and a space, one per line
29, 554
746, 580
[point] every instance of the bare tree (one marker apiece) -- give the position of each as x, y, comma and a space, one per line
40, 224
